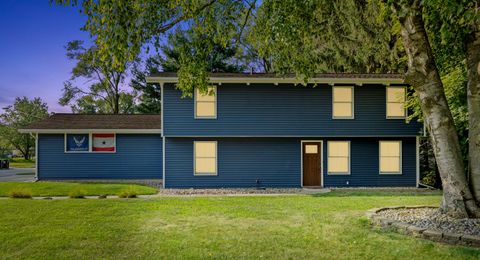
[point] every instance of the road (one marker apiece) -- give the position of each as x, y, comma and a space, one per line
17, 175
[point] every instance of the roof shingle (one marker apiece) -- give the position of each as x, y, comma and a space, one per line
98, 121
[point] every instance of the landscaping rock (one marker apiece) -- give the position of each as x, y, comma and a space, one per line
415, 231
431, 218
470, 240
429, 223
230, 191
433, 235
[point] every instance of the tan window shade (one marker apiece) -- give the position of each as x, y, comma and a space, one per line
342, 94
339, 157
396, 102
205, 104
342, 102
205, 157
390, 157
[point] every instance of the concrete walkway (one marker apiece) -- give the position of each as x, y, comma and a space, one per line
17, 175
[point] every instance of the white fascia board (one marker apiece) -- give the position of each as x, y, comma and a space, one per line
248, 80
73, 131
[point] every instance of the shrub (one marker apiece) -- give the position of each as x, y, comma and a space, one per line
129, 192
20, 193
77, 194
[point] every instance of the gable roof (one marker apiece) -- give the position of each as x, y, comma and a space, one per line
323, 78
60, 123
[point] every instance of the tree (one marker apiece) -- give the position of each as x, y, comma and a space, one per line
150, 96
22, 113
221, 59
105, 94
424, 76
306, 37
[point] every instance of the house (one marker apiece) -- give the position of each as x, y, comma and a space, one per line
250, 130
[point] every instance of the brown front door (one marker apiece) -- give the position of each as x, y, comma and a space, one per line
311, 153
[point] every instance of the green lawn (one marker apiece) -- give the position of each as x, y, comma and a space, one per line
330, 226
64, 188
21, 163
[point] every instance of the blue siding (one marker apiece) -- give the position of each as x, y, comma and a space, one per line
284, 110
276, 162
365, 166
138, 156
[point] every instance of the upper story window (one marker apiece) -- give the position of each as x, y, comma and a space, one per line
342, 102
206, 103
338, 157
390, 157
396, 102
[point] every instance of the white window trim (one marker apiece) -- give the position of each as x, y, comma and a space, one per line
353, 103
380, 156
349, 158
90, 143
404, 102
195, 105
195, 159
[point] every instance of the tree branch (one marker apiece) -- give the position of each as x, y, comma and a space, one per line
168, 26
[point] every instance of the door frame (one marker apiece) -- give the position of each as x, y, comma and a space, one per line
321, 160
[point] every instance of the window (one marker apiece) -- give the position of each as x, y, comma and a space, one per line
206, 104
205, 157
339, 157
390, 157
103, 143
77, 143
396, 102
342, 102
311, 149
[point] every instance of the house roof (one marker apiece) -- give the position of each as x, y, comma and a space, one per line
60, 123
324, 78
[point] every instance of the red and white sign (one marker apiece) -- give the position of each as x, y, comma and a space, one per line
103, 142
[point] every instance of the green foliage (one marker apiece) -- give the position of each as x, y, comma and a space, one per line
77, 194
22, 163
20, 193
150, 96
307, 37
105, 93
22, 113
129, 192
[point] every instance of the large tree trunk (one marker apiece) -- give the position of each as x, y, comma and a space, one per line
473, 97
423, 75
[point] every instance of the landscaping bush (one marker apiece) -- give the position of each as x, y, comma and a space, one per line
129, 192
20, 193
77, 194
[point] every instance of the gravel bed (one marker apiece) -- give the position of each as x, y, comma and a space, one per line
431, 218
228, 191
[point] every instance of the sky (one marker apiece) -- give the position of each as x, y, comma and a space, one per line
33, 63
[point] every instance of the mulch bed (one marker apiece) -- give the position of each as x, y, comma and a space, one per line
429, 223
431, 218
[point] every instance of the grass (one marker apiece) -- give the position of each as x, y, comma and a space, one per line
129, 192
21, 163
330, 226
20, 193
66, 188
